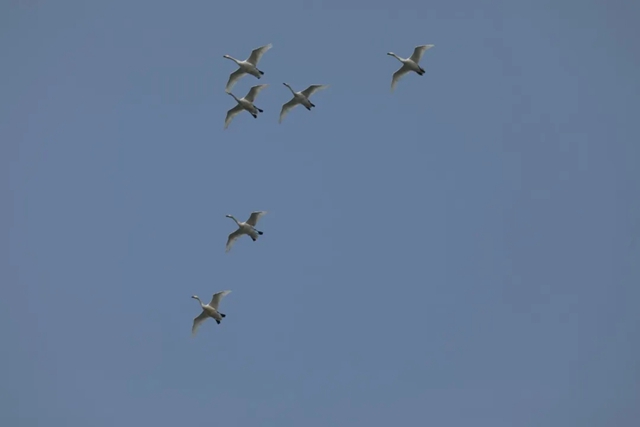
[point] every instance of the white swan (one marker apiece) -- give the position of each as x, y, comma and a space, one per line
301, 97
209, 310
248, 66
409, 64
248, 228
245, 103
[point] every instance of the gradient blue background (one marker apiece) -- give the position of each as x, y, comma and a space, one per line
461, 252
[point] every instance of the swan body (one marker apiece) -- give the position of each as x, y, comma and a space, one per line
409, 64
209, 310
248, 66
245, 103
248, 227
300, 98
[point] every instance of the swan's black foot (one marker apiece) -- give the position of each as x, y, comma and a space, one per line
223, 315
312, 104
262, 111
255, 116
308, 108
253, 238
260, 233
217, 321
261, 73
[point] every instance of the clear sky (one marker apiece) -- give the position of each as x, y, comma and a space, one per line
461, 252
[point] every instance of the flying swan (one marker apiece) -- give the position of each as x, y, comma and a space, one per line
247, 228
209, 310
245, 103
409, 64
248, 66
301, 97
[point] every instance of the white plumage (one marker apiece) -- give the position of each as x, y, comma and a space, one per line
209, 310
248, 227
245, 103
300, 98
409, 64
248, 66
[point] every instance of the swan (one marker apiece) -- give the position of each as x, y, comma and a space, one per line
247, 228
301, 97
209, 310
409, 64
248, 66
245, 103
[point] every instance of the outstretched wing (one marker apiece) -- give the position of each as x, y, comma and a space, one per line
215, 301
255, 216
233, 78
419, 51
253, 92
286, 107
257, 54
313, 89
398, 75
232, 238
197, 321
231, 114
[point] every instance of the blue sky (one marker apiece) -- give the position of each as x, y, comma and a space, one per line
462, 251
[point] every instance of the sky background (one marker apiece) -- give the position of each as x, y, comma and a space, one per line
464, 251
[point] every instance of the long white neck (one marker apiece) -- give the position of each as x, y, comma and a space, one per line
397, 57
237, 61
201, 304
233, 217
292, 91
234, 97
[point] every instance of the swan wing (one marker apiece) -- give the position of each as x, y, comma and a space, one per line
313, 89
233, 78
217, 297
419, 51
255, 216
286, 108
257, 54
198, 321
253, 92
398, 75
232, 238
231, 114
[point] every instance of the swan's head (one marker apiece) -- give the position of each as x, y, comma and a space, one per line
285, 84
229, 216
391, 53
226, 56
195, 297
